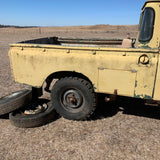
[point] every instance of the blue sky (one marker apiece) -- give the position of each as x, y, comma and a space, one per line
69, 12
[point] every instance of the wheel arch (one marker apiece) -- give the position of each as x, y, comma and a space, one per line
62, 74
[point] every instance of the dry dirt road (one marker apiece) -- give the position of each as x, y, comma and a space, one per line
130, 132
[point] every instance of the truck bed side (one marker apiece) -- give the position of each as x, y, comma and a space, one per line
107, 68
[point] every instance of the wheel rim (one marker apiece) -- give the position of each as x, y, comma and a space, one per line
35, 109
72, 99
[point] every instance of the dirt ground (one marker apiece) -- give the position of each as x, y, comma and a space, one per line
129, 131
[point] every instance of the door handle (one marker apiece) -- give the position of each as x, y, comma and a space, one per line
143, 59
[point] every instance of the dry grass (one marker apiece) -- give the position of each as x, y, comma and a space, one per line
129, 133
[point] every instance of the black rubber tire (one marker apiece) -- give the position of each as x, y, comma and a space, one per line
32, 120
86, 93
14, 101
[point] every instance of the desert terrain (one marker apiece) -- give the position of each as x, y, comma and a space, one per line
126, 132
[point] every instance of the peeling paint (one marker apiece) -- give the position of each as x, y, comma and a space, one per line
145, 47
94, 86
147, 97
136, 84
145, 86
142, 96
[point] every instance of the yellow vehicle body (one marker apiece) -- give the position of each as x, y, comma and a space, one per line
133, 72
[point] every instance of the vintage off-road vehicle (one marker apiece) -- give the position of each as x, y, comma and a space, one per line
84, 67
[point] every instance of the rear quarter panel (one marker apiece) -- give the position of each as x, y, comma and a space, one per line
32, 65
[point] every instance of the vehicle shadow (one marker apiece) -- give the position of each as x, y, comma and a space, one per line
126, 105
6, 116
137, 107
104, 109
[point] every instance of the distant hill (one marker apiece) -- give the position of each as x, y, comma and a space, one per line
9, 26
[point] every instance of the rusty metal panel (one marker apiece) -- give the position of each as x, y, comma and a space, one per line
133, 62
32, 64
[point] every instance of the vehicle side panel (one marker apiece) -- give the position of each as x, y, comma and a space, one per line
108, 69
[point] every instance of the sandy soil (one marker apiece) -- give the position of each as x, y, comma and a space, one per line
129, 132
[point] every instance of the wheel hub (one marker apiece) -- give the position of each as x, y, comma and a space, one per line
36, 109
72, 99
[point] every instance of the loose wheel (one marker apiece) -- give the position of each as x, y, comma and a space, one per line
33, 115
14, 101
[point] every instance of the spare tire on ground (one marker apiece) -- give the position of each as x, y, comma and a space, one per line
14, 101
28, 117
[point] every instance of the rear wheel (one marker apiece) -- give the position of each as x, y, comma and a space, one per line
73, 98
